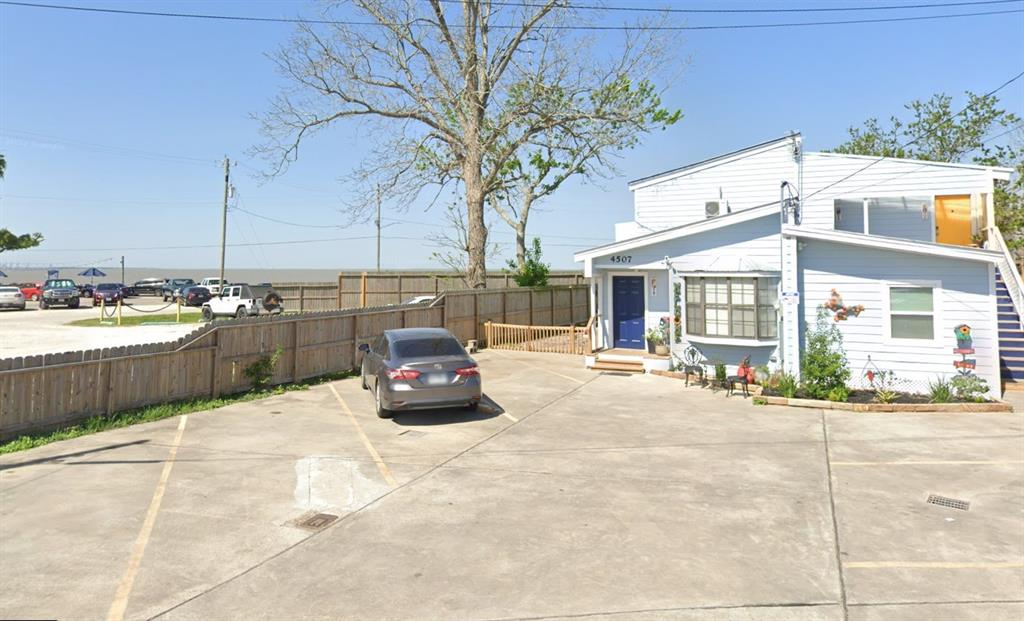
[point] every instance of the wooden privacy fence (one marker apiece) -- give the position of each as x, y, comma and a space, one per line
551, 339
44, 392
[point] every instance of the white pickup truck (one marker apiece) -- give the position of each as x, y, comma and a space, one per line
242, 300
212, 283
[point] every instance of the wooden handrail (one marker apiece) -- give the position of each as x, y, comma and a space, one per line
1008, 268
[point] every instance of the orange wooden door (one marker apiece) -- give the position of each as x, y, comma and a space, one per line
953, 219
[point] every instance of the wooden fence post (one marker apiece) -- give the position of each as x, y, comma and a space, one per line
108, 401
362, 291
400, 293
552, 307
341, 282
302, 298
215, 375
295, 351
529, 293
476, 317
487, 332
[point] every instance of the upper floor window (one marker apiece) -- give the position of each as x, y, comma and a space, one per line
906, 217
731, 307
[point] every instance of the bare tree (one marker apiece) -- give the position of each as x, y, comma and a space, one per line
452, 243
429, 73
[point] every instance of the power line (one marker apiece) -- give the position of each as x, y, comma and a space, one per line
19, 134
286, 20
651, 9
307, 226
201, 246
913, 140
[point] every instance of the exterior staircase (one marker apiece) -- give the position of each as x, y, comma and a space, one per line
1011, 339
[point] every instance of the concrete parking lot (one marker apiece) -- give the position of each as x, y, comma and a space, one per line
32, 331
573, 495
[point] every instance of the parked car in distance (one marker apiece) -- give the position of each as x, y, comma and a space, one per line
196, 295
150, 286
419, 299
171, 290
86, 290
107, 293
59, 292
213, 284
241, 300
419, 368
31, 291
12, 297
126, 291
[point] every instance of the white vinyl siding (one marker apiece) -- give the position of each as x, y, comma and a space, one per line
887, 178
864, 276
747, 181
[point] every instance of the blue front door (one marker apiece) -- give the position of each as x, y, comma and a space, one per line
628, 311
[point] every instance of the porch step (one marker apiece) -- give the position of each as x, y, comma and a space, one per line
620, 367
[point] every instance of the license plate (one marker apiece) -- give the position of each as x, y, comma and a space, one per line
434, 379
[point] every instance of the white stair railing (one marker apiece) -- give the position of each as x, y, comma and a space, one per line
1008, 268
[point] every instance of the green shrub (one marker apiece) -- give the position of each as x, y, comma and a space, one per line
533, 273
839, 393
969, 388
824, 366
884, 383
786, 385
940, 391
720, 373
654, 336
262, 371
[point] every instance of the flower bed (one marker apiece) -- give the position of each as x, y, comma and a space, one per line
910, 405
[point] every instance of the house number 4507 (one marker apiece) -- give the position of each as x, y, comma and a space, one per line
622, 258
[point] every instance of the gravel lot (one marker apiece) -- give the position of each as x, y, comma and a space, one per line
32, 331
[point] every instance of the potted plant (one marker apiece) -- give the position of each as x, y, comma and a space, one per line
656, 341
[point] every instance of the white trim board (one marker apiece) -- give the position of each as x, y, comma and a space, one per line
893, 243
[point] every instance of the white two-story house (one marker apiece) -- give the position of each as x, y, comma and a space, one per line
738, 252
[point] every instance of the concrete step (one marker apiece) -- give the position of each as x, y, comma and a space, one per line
620, 367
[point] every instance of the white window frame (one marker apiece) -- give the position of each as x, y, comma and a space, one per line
727, 339
936, 287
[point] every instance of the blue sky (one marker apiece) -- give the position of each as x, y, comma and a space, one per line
72, 85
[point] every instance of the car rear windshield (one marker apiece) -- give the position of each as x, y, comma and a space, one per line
9, 290
106, 287
423, 348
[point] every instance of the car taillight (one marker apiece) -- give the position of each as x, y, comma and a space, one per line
467, 371
402, 374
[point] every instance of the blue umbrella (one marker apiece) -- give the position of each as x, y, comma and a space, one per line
2, 274
91, 272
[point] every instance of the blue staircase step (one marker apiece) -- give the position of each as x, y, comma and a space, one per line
1015, 374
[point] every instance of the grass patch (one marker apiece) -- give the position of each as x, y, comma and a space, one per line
152, 413
137, 320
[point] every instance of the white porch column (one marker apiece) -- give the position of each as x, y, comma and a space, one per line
789, 307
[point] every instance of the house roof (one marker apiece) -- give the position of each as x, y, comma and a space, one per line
893, 243
713, 161
683, 230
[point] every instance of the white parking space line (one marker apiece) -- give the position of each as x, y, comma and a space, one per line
124, 590
510, 417
931, 565
383, 467
930, 463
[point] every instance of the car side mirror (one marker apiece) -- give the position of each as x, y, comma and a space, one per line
363, 347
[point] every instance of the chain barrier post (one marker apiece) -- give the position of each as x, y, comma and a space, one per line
102, 313
177, 318
118, 312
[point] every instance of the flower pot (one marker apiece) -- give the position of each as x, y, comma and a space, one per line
661, 350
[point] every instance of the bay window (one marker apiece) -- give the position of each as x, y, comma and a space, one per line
731, 307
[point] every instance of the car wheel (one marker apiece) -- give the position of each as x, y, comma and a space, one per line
207, 313
42, 305
240, 313
73, 303
382, 412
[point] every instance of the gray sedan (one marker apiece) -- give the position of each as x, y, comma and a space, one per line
11, 297
419, 368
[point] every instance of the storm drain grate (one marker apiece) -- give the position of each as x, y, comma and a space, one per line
952, 503
316, 521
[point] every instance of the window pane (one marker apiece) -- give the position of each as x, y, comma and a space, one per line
694, 319
910, 299
743, 322
717, 322
743, 292
912, 327
692, 291
767, 322
716, 292
767, 291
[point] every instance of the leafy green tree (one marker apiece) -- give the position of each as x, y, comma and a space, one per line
10, 241
532, 272
934, 132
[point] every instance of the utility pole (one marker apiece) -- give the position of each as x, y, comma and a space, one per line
122, 269
377, 222
224, 218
